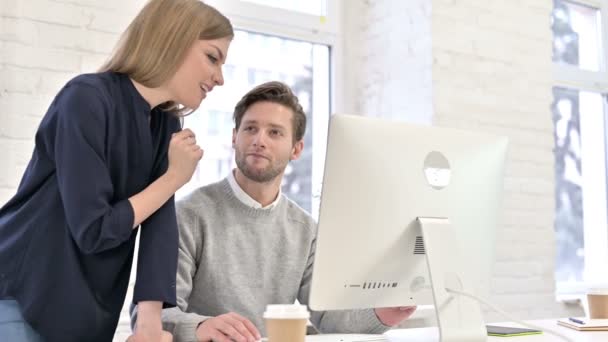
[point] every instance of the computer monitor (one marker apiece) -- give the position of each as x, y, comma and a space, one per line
406, 212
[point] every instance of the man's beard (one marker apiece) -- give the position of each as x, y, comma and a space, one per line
264, 175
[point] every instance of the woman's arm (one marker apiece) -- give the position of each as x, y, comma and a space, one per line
184, 154
149, 327
77, 135
158, 245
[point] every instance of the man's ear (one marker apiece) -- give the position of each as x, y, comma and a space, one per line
296, 151
233, 137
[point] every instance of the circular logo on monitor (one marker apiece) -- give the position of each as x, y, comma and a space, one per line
437, 170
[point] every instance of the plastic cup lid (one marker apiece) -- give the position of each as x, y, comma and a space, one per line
286, 311
597, 289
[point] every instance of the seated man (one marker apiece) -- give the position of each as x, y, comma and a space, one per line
244, 245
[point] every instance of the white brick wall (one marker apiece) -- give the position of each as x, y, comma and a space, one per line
43, 43
490, 63
500, 62
388, 82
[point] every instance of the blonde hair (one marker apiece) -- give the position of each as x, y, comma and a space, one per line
157, 41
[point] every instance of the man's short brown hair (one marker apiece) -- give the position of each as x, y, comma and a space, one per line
276, 92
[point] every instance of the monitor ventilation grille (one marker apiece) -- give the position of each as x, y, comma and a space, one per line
419, 246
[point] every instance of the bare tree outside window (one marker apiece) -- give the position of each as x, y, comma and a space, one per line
579, 118
568, 190
576, 35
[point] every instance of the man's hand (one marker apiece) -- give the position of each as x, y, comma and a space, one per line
227, 328
147, 336
393, 316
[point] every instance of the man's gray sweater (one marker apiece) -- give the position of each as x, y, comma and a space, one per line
234, 258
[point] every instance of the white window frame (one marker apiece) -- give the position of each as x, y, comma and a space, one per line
568, 76
277, 21
293, 25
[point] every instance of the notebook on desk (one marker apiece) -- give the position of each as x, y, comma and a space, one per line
584, 324
346, 338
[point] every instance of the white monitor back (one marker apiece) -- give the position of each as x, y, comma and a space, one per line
369, 250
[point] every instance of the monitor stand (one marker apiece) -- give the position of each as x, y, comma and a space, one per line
459, 318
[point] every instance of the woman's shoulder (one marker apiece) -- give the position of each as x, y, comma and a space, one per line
93, 93
91, 90
103, 83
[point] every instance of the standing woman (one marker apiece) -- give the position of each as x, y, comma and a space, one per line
109, 156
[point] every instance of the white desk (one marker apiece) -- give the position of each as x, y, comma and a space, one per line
432, 335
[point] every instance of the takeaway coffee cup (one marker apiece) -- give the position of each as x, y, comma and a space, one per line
597, 300
286, 323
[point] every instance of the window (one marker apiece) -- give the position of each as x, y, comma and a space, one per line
580, 110
577, 39
304, 67
285, 41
